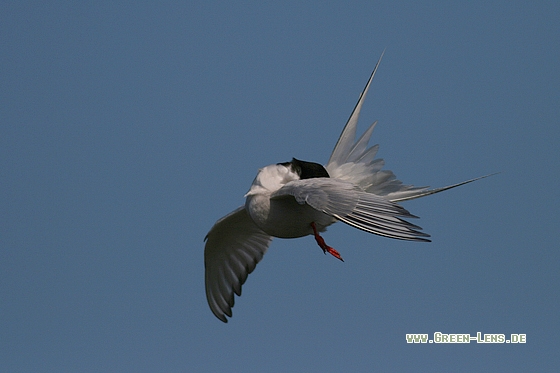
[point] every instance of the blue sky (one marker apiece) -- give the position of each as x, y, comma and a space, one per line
128, 128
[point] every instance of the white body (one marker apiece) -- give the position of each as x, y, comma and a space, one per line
281, 217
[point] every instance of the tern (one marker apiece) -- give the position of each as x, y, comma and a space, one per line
299, 198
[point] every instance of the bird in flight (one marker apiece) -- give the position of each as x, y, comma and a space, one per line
299, 198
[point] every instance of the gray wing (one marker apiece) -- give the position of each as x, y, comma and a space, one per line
354, 161
350, 204
345, 144
233, 248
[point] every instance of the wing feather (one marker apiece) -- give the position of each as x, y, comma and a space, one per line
345, 142
350, 204
233, 248
353, 161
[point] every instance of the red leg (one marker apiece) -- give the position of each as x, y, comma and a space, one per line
321, 242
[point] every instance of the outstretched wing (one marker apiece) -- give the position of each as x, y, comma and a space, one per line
345, 142
233, 248
354, 161
351, 205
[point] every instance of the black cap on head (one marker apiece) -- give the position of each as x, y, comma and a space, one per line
306, 170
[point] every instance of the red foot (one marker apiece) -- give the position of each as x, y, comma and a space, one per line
321, 242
